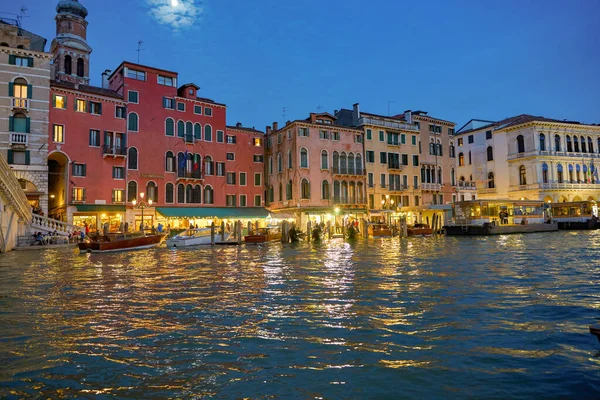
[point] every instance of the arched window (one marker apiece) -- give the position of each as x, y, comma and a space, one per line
280, 191
325, 190
557, 143
439, 175
197, 131
359, 165
169, 161
131, 191
343, 163
208, 195
132, 158
491, 183
571, 178
577, 173
132, 122
590, 145
583, 147
432, 148
336, 162
469, 157
197, 194
189, 132
452, 151
271, 194
20, 90
544, 173
522, 175
461, 159
188, 193
324, 160
351, 193
197, 166
576, 144
360, 198
351, 163
542, 142
169, 127
290, 159
336, 191
270, 165
303, 158
180, 128
439, 148
344, 196
569, 144
490, 153
181, 161
80, 67
180, 193
169, 195
152, 191
68, 65
288, 190
559, 173
279, 163
208, 134
4, 44
209, 169
520, 144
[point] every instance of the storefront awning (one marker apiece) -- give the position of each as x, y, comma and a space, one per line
103, 208
213, 212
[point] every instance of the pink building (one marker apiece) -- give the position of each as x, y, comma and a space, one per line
315, 170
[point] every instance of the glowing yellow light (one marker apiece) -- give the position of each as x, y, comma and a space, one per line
52, 196
118, 215
103, 215
337, 209
522, 198
134, 202
142, 195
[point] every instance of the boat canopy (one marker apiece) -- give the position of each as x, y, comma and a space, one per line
213, 212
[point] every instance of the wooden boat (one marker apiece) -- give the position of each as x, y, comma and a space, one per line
379, 230
595, 330
268, 234
195, 237
575, 215
419, 230
120, 242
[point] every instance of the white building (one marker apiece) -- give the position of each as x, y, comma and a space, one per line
528, 157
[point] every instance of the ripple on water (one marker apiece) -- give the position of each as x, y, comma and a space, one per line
426, 317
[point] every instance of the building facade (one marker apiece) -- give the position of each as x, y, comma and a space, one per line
315, 170
24, 83
532, 158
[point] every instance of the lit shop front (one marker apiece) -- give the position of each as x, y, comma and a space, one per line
179, 218
97, 215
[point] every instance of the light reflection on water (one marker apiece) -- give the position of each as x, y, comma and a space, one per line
427, 317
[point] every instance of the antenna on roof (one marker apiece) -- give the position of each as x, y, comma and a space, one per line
139, 49
390, 102
21, 16
283, 113
319, 108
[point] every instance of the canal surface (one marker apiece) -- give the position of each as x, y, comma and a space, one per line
496, 317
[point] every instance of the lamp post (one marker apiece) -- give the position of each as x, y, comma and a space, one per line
142, 205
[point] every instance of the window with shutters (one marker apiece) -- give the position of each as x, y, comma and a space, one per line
132, 158
382, 157
58, 133
370, 156
305, 189
257, 200
243, 202
415, 160
230, 200
21, 91
381, 136
180, 106
78, 194
95, 108
303, 132
208, 133
231, 178
335, 136
168, 103
19, 123
169, 127
170, 162
120, 112
118, 195
369, 134
208, 195
220, 137
242, 179
303, 158
208, 111
180, 193
258, 179
133, 96
152, 191
94, 138
59, 101
20, 61
18, 157
230, 157
231, 139
169, 193
78, 169
80, 105
198, 110
220, 169
256, 142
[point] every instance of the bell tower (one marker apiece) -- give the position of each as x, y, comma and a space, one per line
69, 47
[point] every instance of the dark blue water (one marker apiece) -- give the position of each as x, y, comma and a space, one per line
493, 317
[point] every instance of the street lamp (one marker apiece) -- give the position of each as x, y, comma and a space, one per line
142, 205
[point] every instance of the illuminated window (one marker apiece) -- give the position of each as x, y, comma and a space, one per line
257, 142
60, 101
58, 134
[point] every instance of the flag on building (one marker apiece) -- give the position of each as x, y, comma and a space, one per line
182, 162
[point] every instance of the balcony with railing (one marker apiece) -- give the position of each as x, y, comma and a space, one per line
431, 186
395, 166
387, 124
547, 153
20, 104
19, 139
348, 171
466, 185
193, 175
396, 188
113, 151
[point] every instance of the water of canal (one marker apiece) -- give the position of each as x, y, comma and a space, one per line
441, 317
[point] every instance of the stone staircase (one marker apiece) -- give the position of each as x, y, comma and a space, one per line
15, 212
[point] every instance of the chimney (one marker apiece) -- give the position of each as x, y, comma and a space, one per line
275, 126
355, 114
268, 129
238, 125
335, 112
105, 76
313, 118
408, 116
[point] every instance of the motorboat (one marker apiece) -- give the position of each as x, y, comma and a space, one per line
262, 235
419, 230
112, 242
195, 237
379, 230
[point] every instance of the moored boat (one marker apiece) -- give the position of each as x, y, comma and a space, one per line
419, 230
575, 215
120, 242
379, 230
195, 237
262, 235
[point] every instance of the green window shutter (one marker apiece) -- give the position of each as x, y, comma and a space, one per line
73, 172
11, 124
84, 165
83, 194
29, 91
74, 105
11, 89
27, 158
89, 106
12, 59
27, 124
72, 194
100, 108
9, 157
30, 61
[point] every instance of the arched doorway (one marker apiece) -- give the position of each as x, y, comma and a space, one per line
57, 186
548, 199
577, 198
